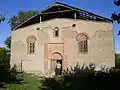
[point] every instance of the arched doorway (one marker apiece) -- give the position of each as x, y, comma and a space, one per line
56, 59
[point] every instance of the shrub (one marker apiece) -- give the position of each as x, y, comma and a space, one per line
117, 61
84, 78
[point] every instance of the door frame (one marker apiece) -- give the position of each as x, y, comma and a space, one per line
57, 60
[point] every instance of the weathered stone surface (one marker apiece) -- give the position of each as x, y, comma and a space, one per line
100, 44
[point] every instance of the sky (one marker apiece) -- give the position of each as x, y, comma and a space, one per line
101, 7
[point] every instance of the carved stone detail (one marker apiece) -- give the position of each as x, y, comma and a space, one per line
53, 51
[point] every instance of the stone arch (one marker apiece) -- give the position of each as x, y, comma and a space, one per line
82, 36
56, 28
56, 55
31, 38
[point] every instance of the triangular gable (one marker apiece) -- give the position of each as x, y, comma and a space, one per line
68, 7
66, 10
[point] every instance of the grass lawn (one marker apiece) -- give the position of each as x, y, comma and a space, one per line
30, 83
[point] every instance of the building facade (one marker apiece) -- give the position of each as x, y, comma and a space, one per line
62, 33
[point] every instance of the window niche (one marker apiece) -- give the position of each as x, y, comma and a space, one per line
82, 39
56, 32
31, 40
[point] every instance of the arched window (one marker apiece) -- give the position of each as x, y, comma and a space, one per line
56, 32
31, 44
82, 42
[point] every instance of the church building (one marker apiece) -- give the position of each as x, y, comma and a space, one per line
65, 34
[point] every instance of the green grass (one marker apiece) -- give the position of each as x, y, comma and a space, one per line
30, 83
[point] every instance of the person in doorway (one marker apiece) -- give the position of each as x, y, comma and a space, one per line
58, 68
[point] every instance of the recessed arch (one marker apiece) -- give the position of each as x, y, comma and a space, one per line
56, 55
31, 38
56, 28
31, 44
82, 36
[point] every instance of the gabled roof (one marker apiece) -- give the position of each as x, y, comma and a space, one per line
61, 10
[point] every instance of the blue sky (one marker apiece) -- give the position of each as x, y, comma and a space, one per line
12, 7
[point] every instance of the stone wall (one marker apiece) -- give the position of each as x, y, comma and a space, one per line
100, 43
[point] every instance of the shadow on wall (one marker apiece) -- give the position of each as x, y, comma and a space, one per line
83, 78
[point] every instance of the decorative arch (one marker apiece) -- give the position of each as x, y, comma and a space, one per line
56, 28
31, 44
56, 55
31, 38
82, 36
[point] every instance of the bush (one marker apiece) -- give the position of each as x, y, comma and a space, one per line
10, 76
117, 61
84, 78
7, 75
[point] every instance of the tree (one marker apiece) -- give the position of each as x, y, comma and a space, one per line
4, 59
117, 2
117, 61
2, 18
7, 42
21, 17
116, 17
3, 53
7, 74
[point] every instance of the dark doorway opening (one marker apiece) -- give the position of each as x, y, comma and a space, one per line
60, 61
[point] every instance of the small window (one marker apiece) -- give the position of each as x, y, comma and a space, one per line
56, 32
74, 25
31, 44
38, 28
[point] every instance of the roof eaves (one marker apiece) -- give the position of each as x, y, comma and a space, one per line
84, 11
65, 5
25, 21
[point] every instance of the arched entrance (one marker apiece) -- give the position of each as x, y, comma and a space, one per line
56, 59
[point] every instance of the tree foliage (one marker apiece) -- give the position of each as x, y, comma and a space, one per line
116, 16
2, 18
7, 42
117, 61
117, 2
3, 54
21, 17
7, 75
